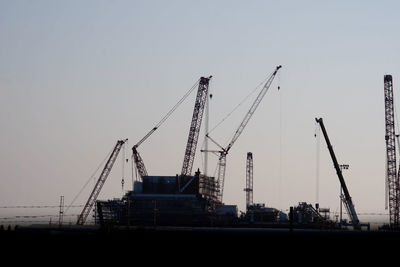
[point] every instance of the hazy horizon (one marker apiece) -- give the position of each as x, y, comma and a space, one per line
76, 76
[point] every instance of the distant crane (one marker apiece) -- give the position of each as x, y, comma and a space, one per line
100, 182
224, 150
194, 131
392, 176
347, 199
137, 159
249, 180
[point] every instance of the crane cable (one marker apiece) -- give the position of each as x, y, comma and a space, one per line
168, 113
88, 181
398, 150
161, 122
237, 106
280, 142
317, 159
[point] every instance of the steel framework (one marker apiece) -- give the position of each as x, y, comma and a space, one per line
392, 177
194, 131
249, 180
100, 182
137, 159
139, 163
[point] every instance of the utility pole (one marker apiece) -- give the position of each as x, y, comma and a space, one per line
61, 212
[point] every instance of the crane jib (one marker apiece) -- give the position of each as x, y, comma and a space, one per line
239, 131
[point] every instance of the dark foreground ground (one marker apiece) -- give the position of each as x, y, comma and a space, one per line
196, 244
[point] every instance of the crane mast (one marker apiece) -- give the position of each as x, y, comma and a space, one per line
347, 199
249, 180
238, 132
392, 177
194, 131
100, 182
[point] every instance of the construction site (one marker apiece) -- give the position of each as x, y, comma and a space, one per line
196, 200
193, 200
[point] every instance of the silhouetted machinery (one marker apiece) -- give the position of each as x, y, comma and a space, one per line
347, 199
224, 150
392, 175
100, 182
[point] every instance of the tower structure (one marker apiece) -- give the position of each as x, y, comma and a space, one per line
249, 180
392, 177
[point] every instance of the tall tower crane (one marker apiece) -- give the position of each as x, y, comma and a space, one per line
137, 159
249, 180
392, 176
194, 131
347, 199
100, 182
224, 150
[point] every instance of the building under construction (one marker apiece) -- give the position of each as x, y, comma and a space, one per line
168, 200
197, 200
184, 199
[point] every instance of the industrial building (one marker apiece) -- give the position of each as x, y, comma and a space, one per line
160, 200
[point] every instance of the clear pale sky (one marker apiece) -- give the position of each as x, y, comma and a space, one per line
76, 76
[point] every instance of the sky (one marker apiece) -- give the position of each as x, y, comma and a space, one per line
76, 76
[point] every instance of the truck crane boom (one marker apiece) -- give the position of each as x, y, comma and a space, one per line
194, 131
347, 199
239, 131
100, 182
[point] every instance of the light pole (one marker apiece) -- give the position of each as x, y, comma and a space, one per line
342, 167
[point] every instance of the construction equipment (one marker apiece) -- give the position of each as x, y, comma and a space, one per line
224, 151
137, 159
392, 176
249, 180
347, 199
100, 182
194, 131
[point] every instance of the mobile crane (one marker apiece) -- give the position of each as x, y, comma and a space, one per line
347, 199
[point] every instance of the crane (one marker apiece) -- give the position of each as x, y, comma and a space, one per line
392, 176
347, 199
224, 150
137, 159
100, 182
194, 131
249, 180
